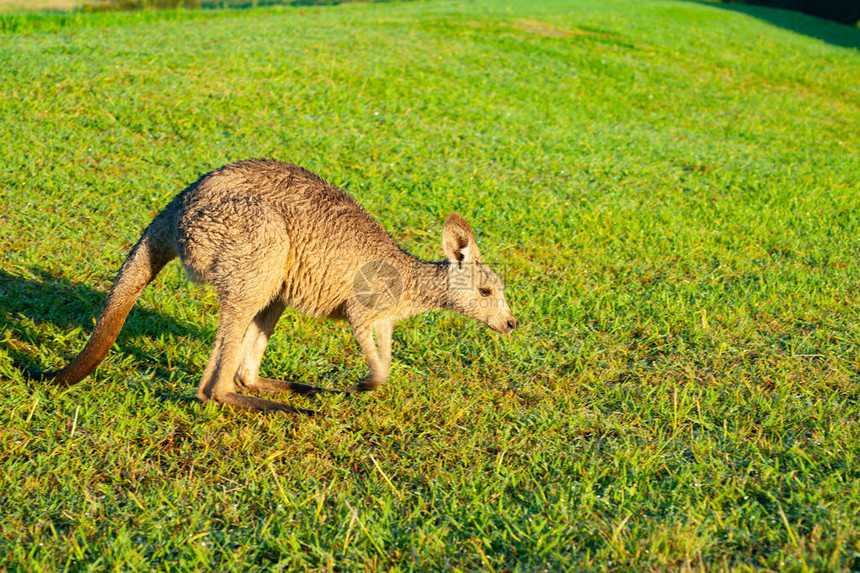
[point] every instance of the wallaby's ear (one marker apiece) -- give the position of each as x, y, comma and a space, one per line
458, 241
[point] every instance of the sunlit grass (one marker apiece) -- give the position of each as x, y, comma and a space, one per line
670, 190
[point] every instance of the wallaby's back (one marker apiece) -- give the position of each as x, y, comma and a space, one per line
316, 234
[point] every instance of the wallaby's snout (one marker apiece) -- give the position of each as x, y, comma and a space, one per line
506, 325
500, 318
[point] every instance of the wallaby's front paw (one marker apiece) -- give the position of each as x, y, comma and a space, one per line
368, 384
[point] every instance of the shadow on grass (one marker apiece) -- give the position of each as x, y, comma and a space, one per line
56, 300
66, 305
831, 32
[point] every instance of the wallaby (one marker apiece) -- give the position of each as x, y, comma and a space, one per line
267, 235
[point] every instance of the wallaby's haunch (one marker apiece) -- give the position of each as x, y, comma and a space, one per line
267, 235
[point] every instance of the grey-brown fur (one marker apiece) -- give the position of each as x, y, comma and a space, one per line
267, 235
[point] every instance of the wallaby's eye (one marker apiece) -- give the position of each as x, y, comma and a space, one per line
485, 291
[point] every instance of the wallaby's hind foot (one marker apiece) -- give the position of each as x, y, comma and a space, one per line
271, 386
254, 404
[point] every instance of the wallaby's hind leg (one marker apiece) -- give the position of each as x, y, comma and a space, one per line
238, 246
219, 379
253, 347
255, 342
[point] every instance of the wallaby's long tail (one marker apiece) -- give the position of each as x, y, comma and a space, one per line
146, 259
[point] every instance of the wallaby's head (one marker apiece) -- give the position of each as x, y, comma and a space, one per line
473, 289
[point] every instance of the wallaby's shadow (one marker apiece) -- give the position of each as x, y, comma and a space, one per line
66, 304
59, 301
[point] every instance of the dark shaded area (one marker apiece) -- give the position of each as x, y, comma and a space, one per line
842, 11
824, 30
66, 304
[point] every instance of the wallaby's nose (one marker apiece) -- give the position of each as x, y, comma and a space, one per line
512, 323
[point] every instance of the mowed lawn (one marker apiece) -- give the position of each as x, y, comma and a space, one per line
669, 189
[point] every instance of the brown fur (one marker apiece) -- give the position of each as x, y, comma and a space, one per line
267, 235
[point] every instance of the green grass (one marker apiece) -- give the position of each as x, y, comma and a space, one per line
670, 188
